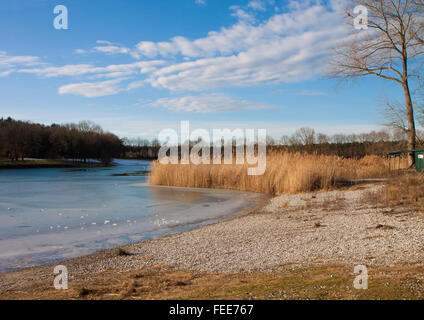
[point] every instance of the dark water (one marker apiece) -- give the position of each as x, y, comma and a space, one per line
52, 214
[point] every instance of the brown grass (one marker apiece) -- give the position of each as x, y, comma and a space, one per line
316, 282
285, 173
398, 163
404, 190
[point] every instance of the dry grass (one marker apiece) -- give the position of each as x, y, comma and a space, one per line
400, 162
316, 282
404, 190
285, 173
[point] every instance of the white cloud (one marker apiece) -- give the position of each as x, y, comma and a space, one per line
92, 89
112, 49
208, 103
7, 61
111, 71
288, 47
291, 46
67, 70
100, 88
135, 84
6, 72
293, 59
243, 36
242, 15
9, 64
257, 5
105, 42
200, 2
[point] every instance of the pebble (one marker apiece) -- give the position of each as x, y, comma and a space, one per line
274, 236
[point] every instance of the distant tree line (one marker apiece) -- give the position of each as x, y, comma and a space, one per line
86, 140
82, 141
305, 140
139, 148
345, 145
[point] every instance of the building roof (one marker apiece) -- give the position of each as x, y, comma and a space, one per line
404, 151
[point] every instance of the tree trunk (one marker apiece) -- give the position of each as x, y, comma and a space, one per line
411, 122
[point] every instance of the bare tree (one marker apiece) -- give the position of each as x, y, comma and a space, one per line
270, 141
322, 138
304, 136
420, 4
339, 138
395, 115
386, 50
285, 140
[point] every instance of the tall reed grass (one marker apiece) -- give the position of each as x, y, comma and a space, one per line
400, 162
285, 173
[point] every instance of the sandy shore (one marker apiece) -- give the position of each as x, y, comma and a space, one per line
292, 230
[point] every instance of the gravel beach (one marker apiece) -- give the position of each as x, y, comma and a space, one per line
290, 230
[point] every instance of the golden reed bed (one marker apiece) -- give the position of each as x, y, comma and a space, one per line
285, 173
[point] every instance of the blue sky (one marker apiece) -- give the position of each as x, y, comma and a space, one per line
136, 67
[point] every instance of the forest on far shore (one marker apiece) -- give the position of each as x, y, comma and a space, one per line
79, 142
86, 140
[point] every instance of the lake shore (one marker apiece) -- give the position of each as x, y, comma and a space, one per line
47, 164
324, 234
55, 164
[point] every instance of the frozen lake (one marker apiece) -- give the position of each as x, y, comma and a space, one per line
48, 215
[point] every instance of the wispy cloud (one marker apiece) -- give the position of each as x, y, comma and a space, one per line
92, 89
80, 51
242, 15
9, 64
257, 5
208, 103
200, 2
113, 49
312, 93
100, 88
287, 47
110, 48
110, 71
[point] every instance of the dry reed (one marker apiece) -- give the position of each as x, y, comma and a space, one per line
285, 173
398, 163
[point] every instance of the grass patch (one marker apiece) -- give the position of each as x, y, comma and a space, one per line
405, 190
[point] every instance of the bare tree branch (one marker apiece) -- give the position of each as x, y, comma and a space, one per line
392, 43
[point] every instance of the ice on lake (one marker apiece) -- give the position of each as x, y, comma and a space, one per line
48, 215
